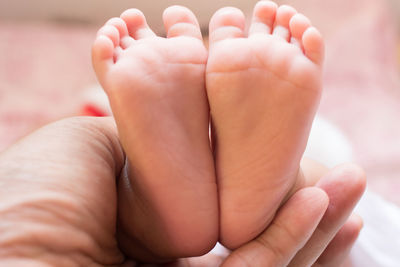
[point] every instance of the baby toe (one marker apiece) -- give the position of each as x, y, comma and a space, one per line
283, 16
180, 21
298, 25
227, 23
136, 24
263, 18
314, 47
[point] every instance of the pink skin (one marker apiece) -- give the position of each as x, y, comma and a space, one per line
156, 88
262, 101
263, 91
58, 205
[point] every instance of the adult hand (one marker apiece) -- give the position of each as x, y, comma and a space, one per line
58, 207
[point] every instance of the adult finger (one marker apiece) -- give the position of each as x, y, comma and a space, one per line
344, 185
292, 227
339, 248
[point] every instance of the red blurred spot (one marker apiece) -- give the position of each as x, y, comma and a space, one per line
92, 110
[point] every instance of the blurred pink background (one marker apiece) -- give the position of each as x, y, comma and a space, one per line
45, 68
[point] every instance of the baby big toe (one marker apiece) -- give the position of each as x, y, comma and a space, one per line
180, 21
227, 23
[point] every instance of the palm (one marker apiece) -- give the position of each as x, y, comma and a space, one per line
66, 200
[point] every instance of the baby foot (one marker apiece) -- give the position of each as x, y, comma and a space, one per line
263, 92
156, 88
